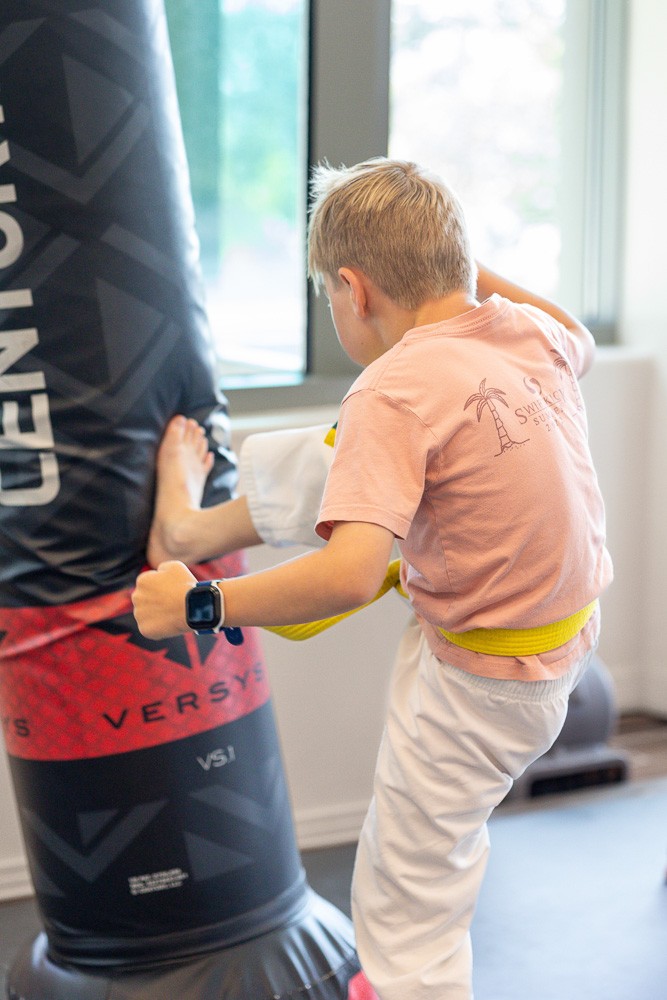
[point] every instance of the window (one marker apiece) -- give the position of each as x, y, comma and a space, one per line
518, 103
241, 69
478, 95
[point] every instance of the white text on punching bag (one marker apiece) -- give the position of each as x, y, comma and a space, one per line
25, 387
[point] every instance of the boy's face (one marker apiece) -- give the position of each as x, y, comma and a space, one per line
355, 335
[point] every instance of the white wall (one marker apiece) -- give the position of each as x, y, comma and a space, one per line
329, 693
644, 321
617, 393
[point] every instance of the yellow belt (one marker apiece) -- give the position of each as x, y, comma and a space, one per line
496, 641
522, 641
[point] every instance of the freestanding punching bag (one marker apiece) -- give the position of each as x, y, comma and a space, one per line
147, 774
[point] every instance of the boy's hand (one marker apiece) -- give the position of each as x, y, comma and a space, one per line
159, 600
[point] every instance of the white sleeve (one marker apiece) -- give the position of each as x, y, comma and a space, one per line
283, 475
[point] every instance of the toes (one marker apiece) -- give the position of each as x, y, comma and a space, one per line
187, 431
192, 431
176, 426
195, 436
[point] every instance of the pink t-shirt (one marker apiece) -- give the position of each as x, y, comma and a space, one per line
468, 440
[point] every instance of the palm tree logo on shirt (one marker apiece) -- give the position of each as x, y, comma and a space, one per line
486, 398
562, 365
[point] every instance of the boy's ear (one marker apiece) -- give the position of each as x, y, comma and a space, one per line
357, 289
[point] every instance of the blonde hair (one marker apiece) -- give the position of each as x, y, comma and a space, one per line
394, 221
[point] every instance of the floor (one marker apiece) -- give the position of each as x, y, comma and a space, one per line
642, 738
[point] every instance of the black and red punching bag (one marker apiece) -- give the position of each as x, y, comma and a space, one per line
148, 775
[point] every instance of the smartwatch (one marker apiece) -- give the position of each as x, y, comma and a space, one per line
205, 608
205, 612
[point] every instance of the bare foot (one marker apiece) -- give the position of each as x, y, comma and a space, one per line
183, 464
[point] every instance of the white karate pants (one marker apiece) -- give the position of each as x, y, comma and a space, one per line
452, 746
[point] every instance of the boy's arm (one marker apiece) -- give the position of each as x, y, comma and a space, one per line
488, 282
343, 575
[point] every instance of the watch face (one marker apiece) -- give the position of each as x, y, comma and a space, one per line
203, 608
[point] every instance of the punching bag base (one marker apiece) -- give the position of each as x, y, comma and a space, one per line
313, 958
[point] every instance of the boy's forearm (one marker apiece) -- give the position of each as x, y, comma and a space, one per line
344, 575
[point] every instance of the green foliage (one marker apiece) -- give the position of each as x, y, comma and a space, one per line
194, 32
239, 77
261, 72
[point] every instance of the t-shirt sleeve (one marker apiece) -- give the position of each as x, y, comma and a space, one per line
576, 345
379, 469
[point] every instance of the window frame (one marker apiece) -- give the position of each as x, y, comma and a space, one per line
594, 234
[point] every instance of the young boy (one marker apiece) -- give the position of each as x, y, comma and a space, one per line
465, 439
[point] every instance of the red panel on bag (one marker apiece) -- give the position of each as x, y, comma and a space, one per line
77, 681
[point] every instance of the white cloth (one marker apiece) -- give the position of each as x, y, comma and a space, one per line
452, 746
284, 473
